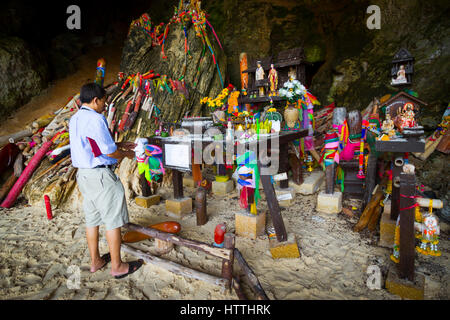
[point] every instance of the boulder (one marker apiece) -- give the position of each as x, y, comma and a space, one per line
22, 74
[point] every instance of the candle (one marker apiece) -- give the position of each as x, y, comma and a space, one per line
257, 128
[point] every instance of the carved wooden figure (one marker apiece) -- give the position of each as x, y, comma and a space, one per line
339, 117
200, 204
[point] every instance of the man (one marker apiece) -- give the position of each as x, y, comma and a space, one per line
94, 153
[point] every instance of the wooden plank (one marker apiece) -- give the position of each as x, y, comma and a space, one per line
369, 210
284, 164
222, 253
407, 238
371, 177
237, 288
175, 267
395, 196
274, 207
330, 173
252, 278
227, 265
401, 145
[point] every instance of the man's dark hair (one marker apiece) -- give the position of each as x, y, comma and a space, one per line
90, 91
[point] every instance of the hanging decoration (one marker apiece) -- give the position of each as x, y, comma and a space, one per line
149, 160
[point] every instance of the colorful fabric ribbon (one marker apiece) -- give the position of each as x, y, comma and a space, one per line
151, 163
330, 153
247, 164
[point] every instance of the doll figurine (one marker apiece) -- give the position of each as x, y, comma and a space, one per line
430, 235
273, 81
259, 75
407, 116
401, 76
388, 126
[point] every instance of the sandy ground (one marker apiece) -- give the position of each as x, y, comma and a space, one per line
35, 254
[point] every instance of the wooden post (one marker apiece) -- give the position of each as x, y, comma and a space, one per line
273, 205
146, 190
237, 288
330, 176
177, 179
354, 120
339, 116
254, 282
395, 200
284, 164
200, 206
296, 167
371, 177
227, 264
221, 170
407, 238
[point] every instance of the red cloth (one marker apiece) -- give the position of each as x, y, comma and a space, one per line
94, 147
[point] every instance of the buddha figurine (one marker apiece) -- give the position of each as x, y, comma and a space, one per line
291, 74
388, 126
401, 76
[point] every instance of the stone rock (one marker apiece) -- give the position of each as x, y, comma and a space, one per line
138, 55
22, 74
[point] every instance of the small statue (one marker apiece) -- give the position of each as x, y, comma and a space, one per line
273, 80
388, 126
401, 76
292, 74
259, 75
100, 73
430, 235
407, 116
374, 118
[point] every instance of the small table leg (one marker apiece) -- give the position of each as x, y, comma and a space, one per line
274, 207
177, 179
284, 165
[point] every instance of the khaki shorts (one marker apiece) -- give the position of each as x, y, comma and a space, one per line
103, 198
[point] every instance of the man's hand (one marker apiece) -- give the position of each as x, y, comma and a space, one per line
126, 145
120, 153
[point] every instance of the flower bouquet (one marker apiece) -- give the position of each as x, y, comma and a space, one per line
218, 102
292, 90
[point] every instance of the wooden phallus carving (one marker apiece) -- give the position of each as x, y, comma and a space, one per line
200, 204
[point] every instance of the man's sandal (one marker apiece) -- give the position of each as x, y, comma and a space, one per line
132, 267
107, 258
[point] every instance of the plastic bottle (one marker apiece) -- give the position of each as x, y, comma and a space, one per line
219, 235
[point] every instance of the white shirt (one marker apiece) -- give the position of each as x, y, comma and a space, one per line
90, 139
